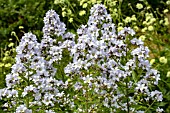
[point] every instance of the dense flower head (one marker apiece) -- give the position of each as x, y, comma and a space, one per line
53, 25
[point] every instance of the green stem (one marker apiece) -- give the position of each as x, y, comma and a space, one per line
119, 10
16, 37
127, 95
149, 106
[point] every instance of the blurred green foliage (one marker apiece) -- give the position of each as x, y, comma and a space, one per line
26, 13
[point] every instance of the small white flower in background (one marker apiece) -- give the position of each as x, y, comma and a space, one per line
163, 60
140, 111
159, 110
49, 111
139, 6
23, 109
87, 79
141, 87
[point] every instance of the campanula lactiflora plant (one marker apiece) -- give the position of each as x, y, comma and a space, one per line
108, 71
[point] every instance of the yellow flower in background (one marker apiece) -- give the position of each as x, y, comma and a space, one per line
148, 17
168, 2
115, 10
139, 6
142, 37
113, 3
166, 10
127, 20
152, 61
69, 12
144, 22
4, 59
63, 9
63, 13
166, 22
21, 27
148, 7
168, 74
11, 44
150, 28
99, 1
70, 20
82, 12
120, 24
161, 21
13, 49
8, 65
84, 5
119, 28
56, 1
69, 80
136, 28
152, 20
163, 60
93, 1
144, 29
133, 18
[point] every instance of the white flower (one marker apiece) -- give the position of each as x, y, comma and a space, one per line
141, 87
159, 110
22, 109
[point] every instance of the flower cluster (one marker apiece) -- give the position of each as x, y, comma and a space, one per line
106, 60
109, 70
33, 75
